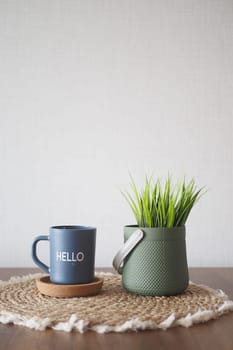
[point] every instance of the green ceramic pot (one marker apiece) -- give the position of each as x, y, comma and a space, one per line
157, 265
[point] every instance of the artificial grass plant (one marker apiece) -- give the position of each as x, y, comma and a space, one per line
162, 205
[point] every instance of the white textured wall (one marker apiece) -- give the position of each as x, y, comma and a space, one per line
90, 90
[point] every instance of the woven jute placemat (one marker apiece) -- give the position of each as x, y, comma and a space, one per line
112, 310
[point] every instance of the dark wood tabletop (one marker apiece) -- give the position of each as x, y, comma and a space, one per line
213, 335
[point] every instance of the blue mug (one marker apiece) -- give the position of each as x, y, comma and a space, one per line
72, 254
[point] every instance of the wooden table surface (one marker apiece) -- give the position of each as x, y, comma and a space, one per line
213, 335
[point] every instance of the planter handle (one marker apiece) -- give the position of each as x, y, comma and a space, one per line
129, 245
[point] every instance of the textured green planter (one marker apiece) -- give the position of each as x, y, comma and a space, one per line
158, 263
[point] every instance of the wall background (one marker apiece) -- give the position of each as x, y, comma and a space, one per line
90, 90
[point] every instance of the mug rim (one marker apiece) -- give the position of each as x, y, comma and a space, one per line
72, 227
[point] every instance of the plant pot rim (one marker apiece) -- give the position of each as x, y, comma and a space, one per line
155, 227
157, 233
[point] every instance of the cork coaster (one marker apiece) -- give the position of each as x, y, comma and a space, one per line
46, 287
113, 309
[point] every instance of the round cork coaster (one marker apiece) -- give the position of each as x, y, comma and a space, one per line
46, 287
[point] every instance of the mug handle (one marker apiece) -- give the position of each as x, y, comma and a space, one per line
34, 254
129, 245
